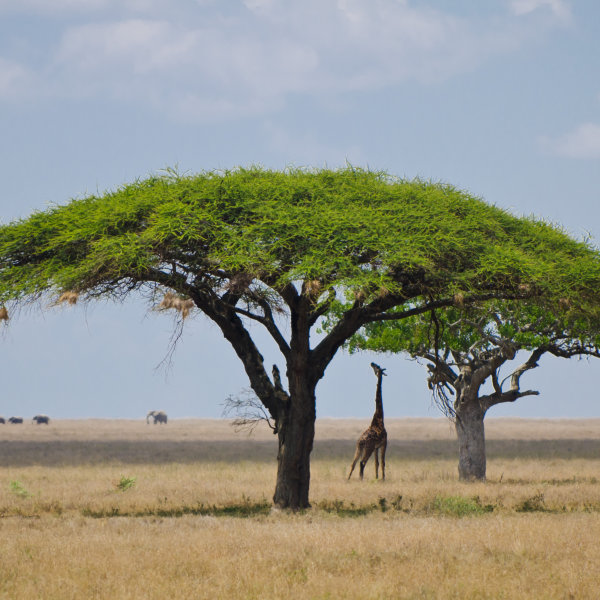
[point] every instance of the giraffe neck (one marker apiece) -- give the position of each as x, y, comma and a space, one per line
378, 416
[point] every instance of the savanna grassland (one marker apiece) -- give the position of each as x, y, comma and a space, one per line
121, 509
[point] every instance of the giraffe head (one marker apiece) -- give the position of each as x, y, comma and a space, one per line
378, 370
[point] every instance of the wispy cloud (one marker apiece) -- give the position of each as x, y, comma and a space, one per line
56, 7
199, 71
559, 8
583, 142
15, 79
205, 60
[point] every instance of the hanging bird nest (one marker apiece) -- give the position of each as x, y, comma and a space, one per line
459, 300
68, 297
239, 283
181, 305
360, 295
383, 292
312, 288
3, 313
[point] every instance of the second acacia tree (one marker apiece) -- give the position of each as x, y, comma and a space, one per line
477, 355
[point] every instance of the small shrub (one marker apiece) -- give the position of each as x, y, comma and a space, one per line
18, 489
125, 483
533, 504
397, 502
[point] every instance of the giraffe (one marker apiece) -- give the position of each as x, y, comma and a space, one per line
375, 437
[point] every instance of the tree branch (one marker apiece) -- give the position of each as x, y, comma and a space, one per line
442, 303
322, 308
508, 396
269, 323
511, 395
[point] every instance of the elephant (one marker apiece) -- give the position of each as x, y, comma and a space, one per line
2, 420
159, 416
39, 419
16, 420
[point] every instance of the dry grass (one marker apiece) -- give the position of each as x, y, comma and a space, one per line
530, 532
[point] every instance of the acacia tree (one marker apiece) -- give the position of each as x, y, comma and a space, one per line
282, 249
466, 349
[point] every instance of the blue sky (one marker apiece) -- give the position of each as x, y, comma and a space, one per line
501, 98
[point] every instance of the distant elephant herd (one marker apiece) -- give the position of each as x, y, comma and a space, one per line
39, 419
159, 416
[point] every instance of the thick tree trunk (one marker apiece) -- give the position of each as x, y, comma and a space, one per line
296, 431
471, 441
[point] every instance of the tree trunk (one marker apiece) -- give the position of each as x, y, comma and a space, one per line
471, 441
296, 431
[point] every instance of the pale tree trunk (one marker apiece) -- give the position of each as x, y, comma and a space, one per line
469, 408
471, 441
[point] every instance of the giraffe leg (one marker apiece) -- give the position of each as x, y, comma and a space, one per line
383, 449
355, 460
376, 463
366, 455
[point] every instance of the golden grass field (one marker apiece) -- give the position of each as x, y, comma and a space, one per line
120, 509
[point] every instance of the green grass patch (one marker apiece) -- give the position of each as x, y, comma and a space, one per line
459, 506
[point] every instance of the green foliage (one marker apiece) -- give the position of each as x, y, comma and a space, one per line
18, 489
125, 483
526, 324
459, 506
351, 229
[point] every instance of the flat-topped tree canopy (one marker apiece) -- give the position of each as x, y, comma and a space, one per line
254, 244
361, 230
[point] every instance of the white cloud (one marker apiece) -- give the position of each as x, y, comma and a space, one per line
583, 142
14, 79
247, 58
139, 46
559, 8
46, 7
194, 71
260, 5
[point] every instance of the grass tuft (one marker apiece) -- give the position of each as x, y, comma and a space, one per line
341, 509
534, 504
458, 506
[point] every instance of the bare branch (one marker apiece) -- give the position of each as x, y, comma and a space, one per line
167, 361
249, 412
497, 386
441, 381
